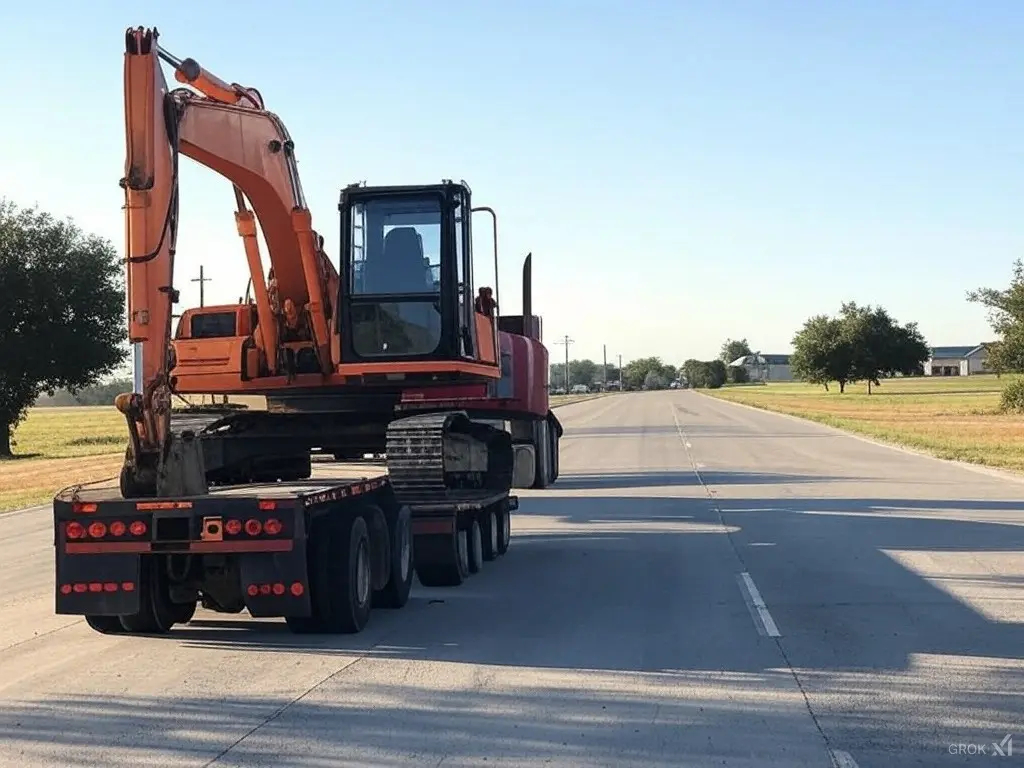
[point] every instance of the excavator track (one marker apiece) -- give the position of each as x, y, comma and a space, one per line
447, 457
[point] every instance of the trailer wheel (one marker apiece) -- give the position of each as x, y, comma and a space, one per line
475, 546
504, 530
157, 613
105, 625
448, 564
395, 593
340, 577
489, 533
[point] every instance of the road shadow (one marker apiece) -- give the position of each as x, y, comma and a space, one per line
618, 627
819, 564
684, 477
598, 590
601, 720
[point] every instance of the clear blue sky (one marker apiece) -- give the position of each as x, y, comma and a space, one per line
682, 171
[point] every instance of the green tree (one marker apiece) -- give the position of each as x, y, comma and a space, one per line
822, 352
1006, 316
704, 374
695, 372
882, 348
62, 311
860, 344
718, 374
733, 350
635, 372
654, 380
556, 377
582, 372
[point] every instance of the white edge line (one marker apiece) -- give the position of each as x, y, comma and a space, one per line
980, 469
762, 610
843, 759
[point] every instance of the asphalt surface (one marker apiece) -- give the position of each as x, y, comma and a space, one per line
704, 585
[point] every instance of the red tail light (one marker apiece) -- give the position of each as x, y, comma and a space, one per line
233, 527
297, 589
278, 589
138, 528
97, 530
267, 505
117, 528
272, 526
253, 527
74, 530
82, 508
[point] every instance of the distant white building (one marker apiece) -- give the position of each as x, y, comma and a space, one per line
956, 361
765, 367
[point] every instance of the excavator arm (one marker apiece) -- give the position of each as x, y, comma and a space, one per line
226, 128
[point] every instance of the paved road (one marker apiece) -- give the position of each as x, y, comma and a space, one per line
620, 630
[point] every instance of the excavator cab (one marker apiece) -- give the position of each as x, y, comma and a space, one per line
407, 311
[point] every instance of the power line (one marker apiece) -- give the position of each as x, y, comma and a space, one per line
202, 283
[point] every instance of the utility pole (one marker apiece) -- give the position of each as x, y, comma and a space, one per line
620, 373
604, 375
567, 341
202, 283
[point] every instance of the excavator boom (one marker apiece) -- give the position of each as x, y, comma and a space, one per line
226, 128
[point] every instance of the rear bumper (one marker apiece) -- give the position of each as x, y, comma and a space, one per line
106, 574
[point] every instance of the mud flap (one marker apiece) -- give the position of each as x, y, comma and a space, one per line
275, 578
182, 470
98, 585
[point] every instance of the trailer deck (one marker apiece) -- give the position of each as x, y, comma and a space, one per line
327, 475
291, 549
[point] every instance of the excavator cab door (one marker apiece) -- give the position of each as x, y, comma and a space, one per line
406, 293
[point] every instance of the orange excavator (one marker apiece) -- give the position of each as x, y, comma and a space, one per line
392, 352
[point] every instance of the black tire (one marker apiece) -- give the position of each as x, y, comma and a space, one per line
489, 533
504, 530
450, 571
157, 614
395, 593
105, 625
541, 447
475, 547
553, 438
340, 578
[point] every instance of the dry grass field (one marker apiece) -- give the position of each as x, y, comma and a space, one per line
952, 418
58, 447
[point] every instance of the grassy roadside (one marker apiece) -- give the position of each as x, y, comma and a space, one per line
951, 418
57, 447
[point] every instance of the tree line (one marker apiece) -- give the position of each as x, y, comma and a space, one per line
651, 372
867, 344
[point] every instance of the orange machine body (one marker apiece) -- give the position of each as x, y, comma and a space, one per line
251, 348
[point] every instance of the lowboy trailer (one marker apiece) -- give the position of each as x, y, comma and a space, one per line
320, 552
